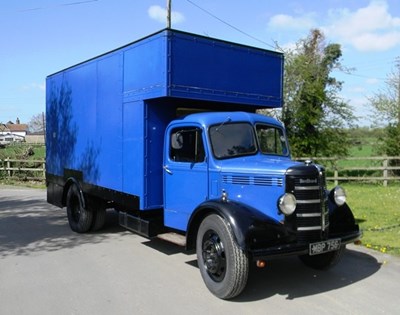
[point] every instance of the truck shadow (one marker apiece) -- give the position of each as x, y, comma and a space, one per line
289, 277
30, 225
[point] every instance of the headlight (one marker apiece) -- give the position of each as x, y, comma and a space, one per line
339, 195
287, 204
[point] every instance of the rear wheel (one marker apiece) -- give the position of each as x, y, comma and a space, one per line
79, 218
98, 208
323, 261
223, 265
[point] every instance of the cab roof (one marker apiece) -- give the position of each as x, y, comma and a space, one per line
212, 118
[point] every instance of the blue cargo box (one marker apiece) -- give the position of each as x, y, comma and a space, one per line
106, 117
184, 65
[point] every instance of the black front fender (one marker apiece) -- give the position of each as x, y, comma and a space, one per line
341, 219
251, 228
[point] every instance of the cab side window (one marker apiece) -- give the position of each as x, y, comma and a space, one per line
186, 145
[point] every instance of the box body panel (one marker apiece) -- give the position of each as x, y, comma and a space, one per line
213, 70
106, 117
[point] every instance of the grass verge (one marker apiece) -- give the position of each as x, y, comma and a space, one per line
23, 151
377, 211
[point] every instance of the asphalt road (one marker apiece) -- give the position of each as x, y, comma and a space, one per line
45, 268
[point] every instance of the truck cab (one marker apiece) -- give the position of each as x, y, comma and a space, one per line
232, 171
230, 154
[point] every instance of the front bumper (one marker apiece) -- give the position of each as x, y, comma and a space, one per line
295, 249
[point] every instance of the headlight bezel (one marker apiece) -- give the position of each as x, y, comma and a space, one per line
339, 196
287, 204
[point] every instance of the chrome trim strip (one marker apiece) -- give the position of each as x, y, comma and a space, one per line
309, 228
311, 201
308, 215
306, 187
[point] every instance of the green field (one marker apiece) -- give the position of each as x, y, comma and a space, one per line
376, 208
23, 151
377, 211
366, 147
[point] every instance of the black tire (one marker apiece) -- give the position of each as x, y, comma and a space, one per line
223, 265
323, 261
79, 219
98, 207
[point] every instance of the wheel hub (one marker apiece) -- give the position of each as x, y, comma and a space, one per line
214, 256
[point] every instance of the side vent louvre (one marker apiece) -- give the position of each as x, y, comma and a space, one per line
241, 180
268, 181
252, 180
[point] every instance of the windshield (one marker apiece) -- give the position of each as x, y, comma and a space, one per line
271, 140
237, 139
231, 140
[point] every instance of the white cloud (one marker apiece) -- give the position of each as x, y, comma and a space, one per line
359, 103
289, 46
34, 86
376, 41
372, 81
357, 89
159, 14
291, 22
371, 28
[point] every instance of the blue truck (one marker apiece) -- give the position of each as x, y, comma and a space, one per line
164, 130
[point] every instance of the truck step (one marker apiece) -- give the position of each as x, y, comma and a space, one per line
148, 227
172, 237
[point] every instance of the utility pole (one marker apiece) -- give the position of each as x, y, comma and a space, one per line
169, 14
44, 126
398, 91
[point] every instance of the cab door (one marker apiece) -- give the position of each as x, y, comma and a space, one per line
185, 174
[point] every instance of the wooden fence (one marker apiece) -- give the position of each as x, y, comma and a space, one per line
375, 169
23, 169
367, 169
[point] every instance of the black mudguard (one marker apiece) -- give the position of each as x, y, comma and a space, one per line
341, 219
251, 228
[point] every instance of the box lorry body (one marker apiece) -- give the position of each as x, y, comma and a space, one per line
164, 131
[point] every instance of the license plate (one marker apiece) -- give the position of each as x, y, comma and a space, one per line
324, 247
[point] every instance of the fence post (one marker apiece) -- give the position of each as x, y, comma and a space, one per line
8, 167
336, 172
336, 175
385, 171
44, 169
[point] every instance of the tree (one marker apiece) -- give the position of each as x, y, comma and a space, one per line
37, 123
386, 104
313, 113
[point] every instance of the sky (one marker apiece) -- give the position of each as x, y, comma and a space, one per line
41, 37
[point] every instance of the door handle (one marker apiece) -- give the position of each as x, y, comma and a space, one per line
167, 169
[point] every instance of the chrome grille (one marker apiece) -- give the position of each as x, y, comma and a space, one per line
311, 218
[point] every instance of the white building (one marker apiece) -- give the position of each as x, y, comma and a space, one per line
11, 132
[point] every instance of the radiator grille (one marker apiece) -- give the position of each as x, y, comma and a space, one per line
311, 218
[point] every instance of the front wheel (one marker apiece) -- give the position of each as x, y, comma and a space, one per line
224, 267
323, 261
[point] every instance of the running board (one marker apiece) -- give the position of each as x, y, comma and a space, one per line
148, 227
174, 238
